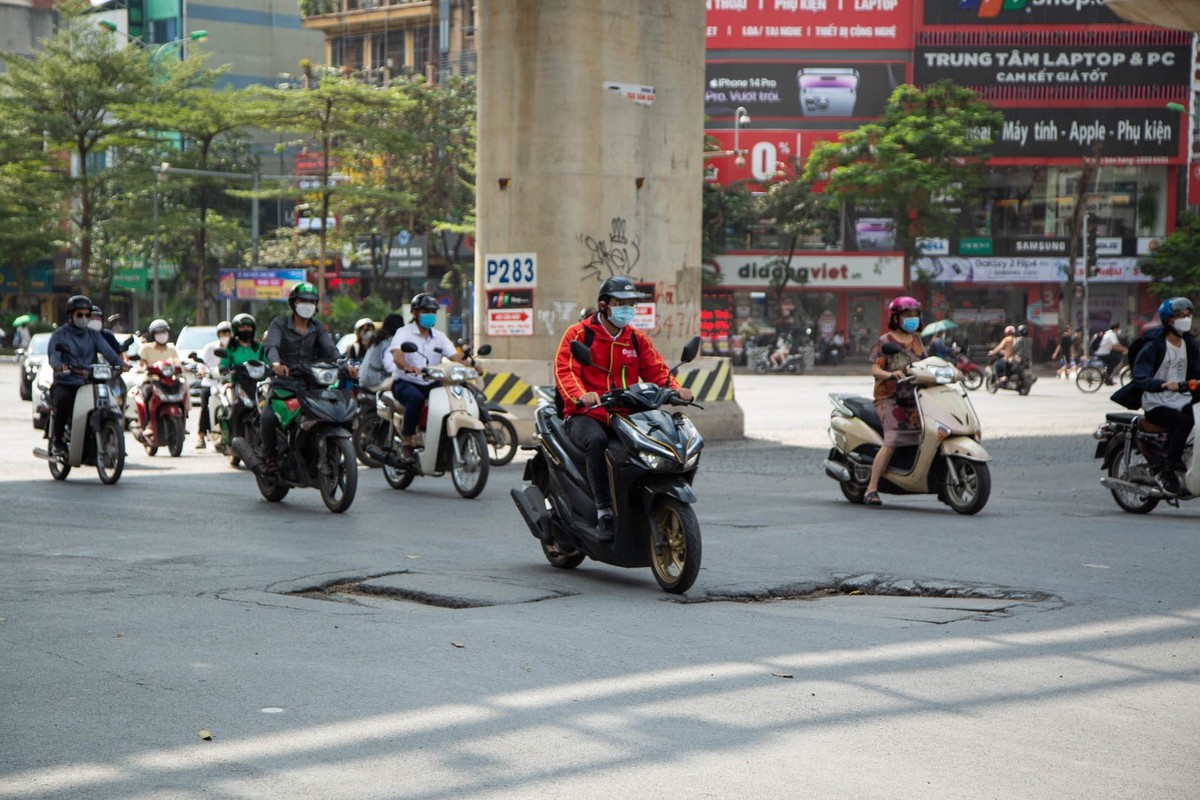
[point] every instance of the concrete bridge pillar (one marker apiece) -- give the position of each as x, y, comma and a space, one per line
590, 164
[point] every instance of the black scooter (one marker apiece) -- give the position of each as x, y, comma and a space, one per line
314, 438
653, 459
1019, 378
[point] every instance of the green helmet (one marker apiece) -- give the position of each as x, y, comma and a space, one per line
302, 291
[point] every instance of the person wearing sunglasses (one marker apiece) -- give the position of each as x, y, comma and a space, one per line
73, 347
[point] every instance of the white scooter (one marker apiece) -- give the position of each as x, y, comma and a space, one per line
95, 435
450, 437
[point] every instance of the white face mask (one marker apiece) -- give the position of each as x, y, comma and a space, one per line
306, 310
224, 339
162, 338
1182, 324
95, 324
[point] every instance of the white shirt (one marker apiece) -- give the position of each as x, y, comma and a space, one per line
1107, 341
210, 360
426, 355
1173, 368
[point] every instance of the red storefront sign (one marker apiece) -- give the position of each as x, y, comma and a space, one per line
766, 153
809, 24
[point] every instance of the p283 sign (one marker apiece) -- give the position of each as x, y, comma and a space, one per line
510, 271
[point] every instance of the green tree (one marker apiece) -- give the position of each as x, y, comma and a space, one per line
29, 182
212, 124
333, 114
920, 163
68, 90
1174, 266
726, 211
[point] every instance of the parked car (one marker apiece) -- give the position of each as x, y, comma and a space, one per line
31, 358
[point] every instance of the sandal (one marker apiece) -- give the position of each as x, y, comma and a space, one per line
872, 499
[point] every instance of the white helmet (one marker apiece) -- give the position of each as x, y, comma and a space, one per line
158, 325
363, 323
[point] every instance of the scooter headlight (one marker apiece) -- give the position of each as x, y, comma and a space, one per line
325, 376
256, 371
943, 374
657, 462
167, 370
101, 372
437, 373
463, 374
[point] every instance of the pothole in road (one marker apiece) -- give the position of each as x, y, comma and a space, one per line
443, 591
925, 600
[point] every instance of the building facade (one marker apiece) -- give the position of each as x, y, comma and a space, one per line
1073, 82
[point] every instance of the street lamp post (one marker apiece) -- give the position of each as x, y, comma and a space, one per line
195, 36
740, 117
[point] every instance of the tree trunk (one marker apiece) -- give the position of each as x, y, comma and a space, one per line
85, 220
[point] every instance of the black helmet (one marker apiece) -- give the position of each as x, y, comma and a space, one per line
78, 302
97, 312
302, 291
425, 302
244, 320
1022, 330
619, 289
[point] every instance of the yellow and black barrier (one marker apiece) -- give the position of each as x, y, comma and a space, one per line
713, 385
507, 389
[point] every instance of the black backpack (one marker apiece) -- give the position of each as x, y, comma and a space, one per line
589, 336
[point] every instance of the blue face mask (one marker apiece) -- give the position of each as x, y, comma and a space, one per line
427, 320
621, 315
910, 324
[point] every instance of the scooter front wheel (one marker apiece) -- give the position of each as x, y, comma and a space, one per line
469, 464
970, 494
674, 545
338, 478
972, 379
172, 429
59, 470
110, 452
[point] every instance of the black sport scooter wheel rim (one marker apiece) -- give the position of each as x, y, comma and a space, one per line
110, 452
339, 475
677, 562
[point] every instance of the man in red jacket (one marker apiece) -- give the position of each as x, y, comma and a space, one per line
621, 357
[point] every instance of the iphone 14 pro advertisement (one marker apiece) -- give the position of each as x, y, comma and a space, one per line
801, 90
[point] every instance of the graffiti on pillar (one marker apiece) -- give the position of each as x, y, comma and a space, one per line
612, 255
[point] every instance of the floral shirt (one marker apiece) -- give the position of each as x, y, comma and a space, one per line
886, 389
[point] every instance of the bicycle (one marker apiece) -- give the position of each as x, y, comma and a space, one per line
1094, 374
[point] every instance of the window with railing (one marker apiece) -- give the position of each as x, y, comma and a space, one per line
348, 52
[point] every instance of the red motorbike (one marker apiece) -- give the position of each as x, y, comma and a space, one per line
160, 414
972, 372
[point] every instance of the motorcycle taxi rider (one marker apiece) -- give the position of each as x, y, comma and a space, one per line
1005, 350
408, 387
82, 346
243, 348
291, 341
1167, 359
96, 323
621, 357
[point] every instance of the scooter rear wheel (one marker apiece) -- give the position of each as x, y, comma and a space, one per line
676, 527
854, 492
502, 441
58, 470
972, 379
1128, 500
370, 430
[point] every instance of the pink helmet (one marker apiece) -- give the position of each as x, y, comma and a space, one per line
1010, 330
902, 304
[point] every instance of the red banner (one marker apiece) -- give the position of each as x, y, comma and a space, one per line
766, 153
809, 24
1193, 188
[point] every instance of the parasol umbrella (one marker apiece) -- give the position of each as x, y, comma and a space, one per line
24, 319
941, 326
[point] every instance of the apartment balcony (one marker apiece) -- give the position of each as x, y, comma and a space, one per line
331, 15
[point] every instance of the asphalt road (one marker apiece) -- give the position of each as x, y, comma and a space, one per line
133, 617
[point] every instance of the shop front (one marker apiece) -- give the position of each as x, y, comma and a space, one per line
753, 297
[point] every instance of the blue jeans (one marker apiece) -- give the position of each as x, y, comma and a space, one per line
412, 396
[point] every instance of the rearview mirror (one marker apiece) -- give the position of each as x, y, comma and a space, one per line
220, 352
891, 348
581, 353
193, 357
484, 349
408, 347
127, 343
691, 350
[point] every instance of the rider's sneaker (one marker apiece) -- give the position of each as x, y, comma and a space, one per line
201, 443
604, 528
1170, 482
408, 453
270, 466
57, 450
